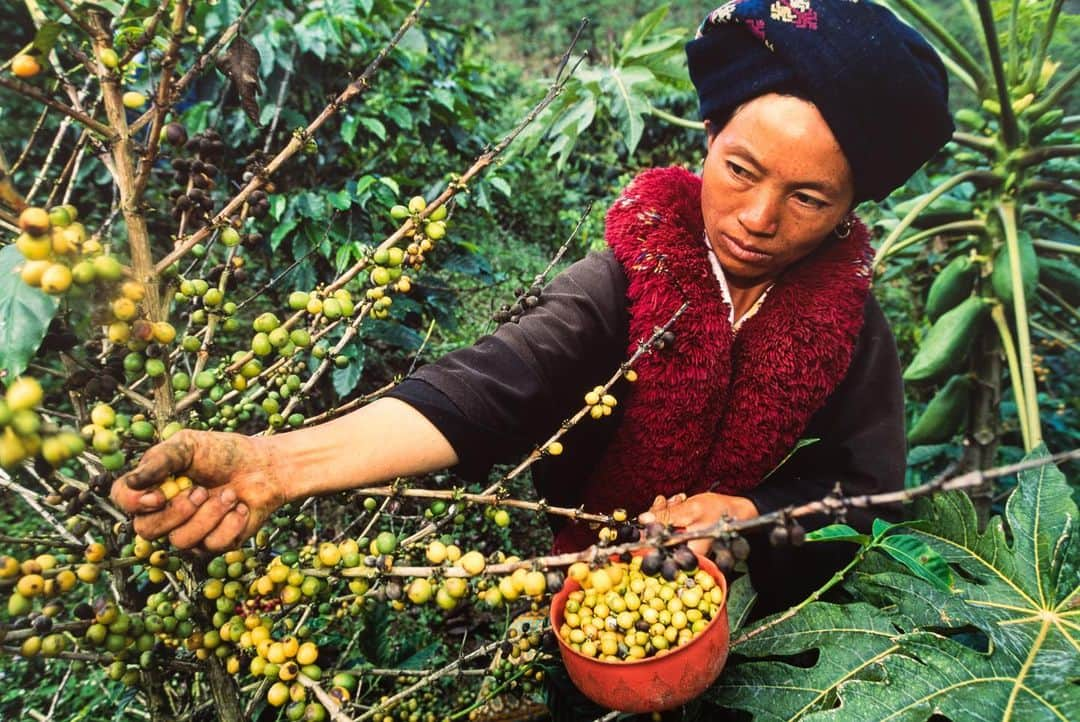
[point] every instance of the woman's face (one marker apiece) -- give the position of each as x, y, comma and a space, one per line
775, 184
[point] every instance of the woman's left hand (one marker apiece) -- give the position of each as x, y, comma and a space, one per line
698, 511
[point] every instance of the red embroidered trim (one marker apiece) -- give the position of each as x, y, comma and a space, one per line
717, 410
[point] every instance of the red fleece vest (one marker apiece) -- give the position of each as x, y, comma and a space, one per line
717, 411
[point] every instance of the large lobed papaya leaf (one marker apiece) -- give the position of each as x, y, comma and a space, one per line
1002, 644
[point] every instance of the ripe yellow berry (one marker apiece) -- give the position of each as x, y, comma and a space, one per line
534, 584
88, 573
95, 552
124, 309
592, 398
278, 694
329, 554
436, 552
473, 563
456, 587
30, 585
25, 66
24, 393
578, 571
56, 279
555, 448
133, 99
109, 58
307, 654
630, 375
33, 248
419, 591
164, 332
9, 567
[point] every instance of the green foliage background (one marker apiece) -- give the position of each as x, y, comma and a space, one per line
461, 81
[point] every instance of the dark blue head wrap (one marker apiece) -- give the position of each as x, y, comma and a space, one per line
879, 85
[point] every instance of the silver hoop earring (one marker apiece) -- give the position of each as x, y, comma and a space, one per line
843, 228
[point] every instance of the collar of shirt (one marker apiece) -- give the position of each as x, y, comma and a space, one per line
736, 323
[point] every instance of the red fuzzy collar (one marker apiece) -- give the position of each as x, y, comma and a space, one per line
718, 410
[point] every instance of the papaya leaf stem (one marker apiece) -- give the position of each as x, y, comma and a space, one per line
1053, 95
972, 226
1046, 330
1056, 297
814, 596
997, 313
1006, 210
922, 205
1046, 152
976, 142
1057, 246
1010, 131
1050, 186
676, 120
1031, 83
1024, 210
956, 51
1013, 58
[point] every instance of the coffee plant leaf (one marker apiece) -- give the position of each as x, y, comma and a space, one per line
25, 314
346, 379
1003, 639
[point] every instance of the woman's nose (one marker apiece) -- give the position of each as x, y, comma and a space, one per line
760, 215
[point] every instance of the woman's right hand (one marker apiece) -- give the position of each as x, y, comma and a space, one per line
236, 488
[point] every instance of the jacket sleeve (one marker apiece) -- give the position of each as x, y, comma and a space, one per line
496, 399
862, 448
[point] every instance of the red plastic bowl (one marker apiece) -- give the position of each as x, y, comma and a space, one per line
652, 684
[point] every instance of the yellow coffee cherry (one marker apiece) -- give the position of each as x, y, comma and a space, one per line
473, 563
436, 552
306, 654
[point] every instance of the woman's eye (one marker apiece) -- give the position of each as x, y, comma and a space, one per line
810, 200
738, 171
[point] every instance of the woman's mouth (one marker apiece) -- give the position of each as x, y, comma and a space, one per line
742, 252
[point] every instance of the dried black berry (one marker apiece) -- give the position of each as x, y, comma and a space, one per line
685, 559
652, 562
725, 560
740, 548
779, 536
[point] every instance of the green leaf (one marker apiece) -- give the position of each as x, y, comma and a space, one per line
45, 37
629, 103
799, 445
421, 658
25, 314
281, 230
848, 638
346, 379
1002, 643
341, 200
348, 129
740, 600
391, 184
918, 557
641, 29
277, 205
837, 532
882, 527
374, 126
501, 185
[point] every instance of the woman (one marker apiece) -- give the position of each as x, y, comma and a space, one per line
811, 106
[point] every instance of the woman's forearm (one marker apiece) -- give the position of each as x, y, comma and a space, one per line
377, 443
